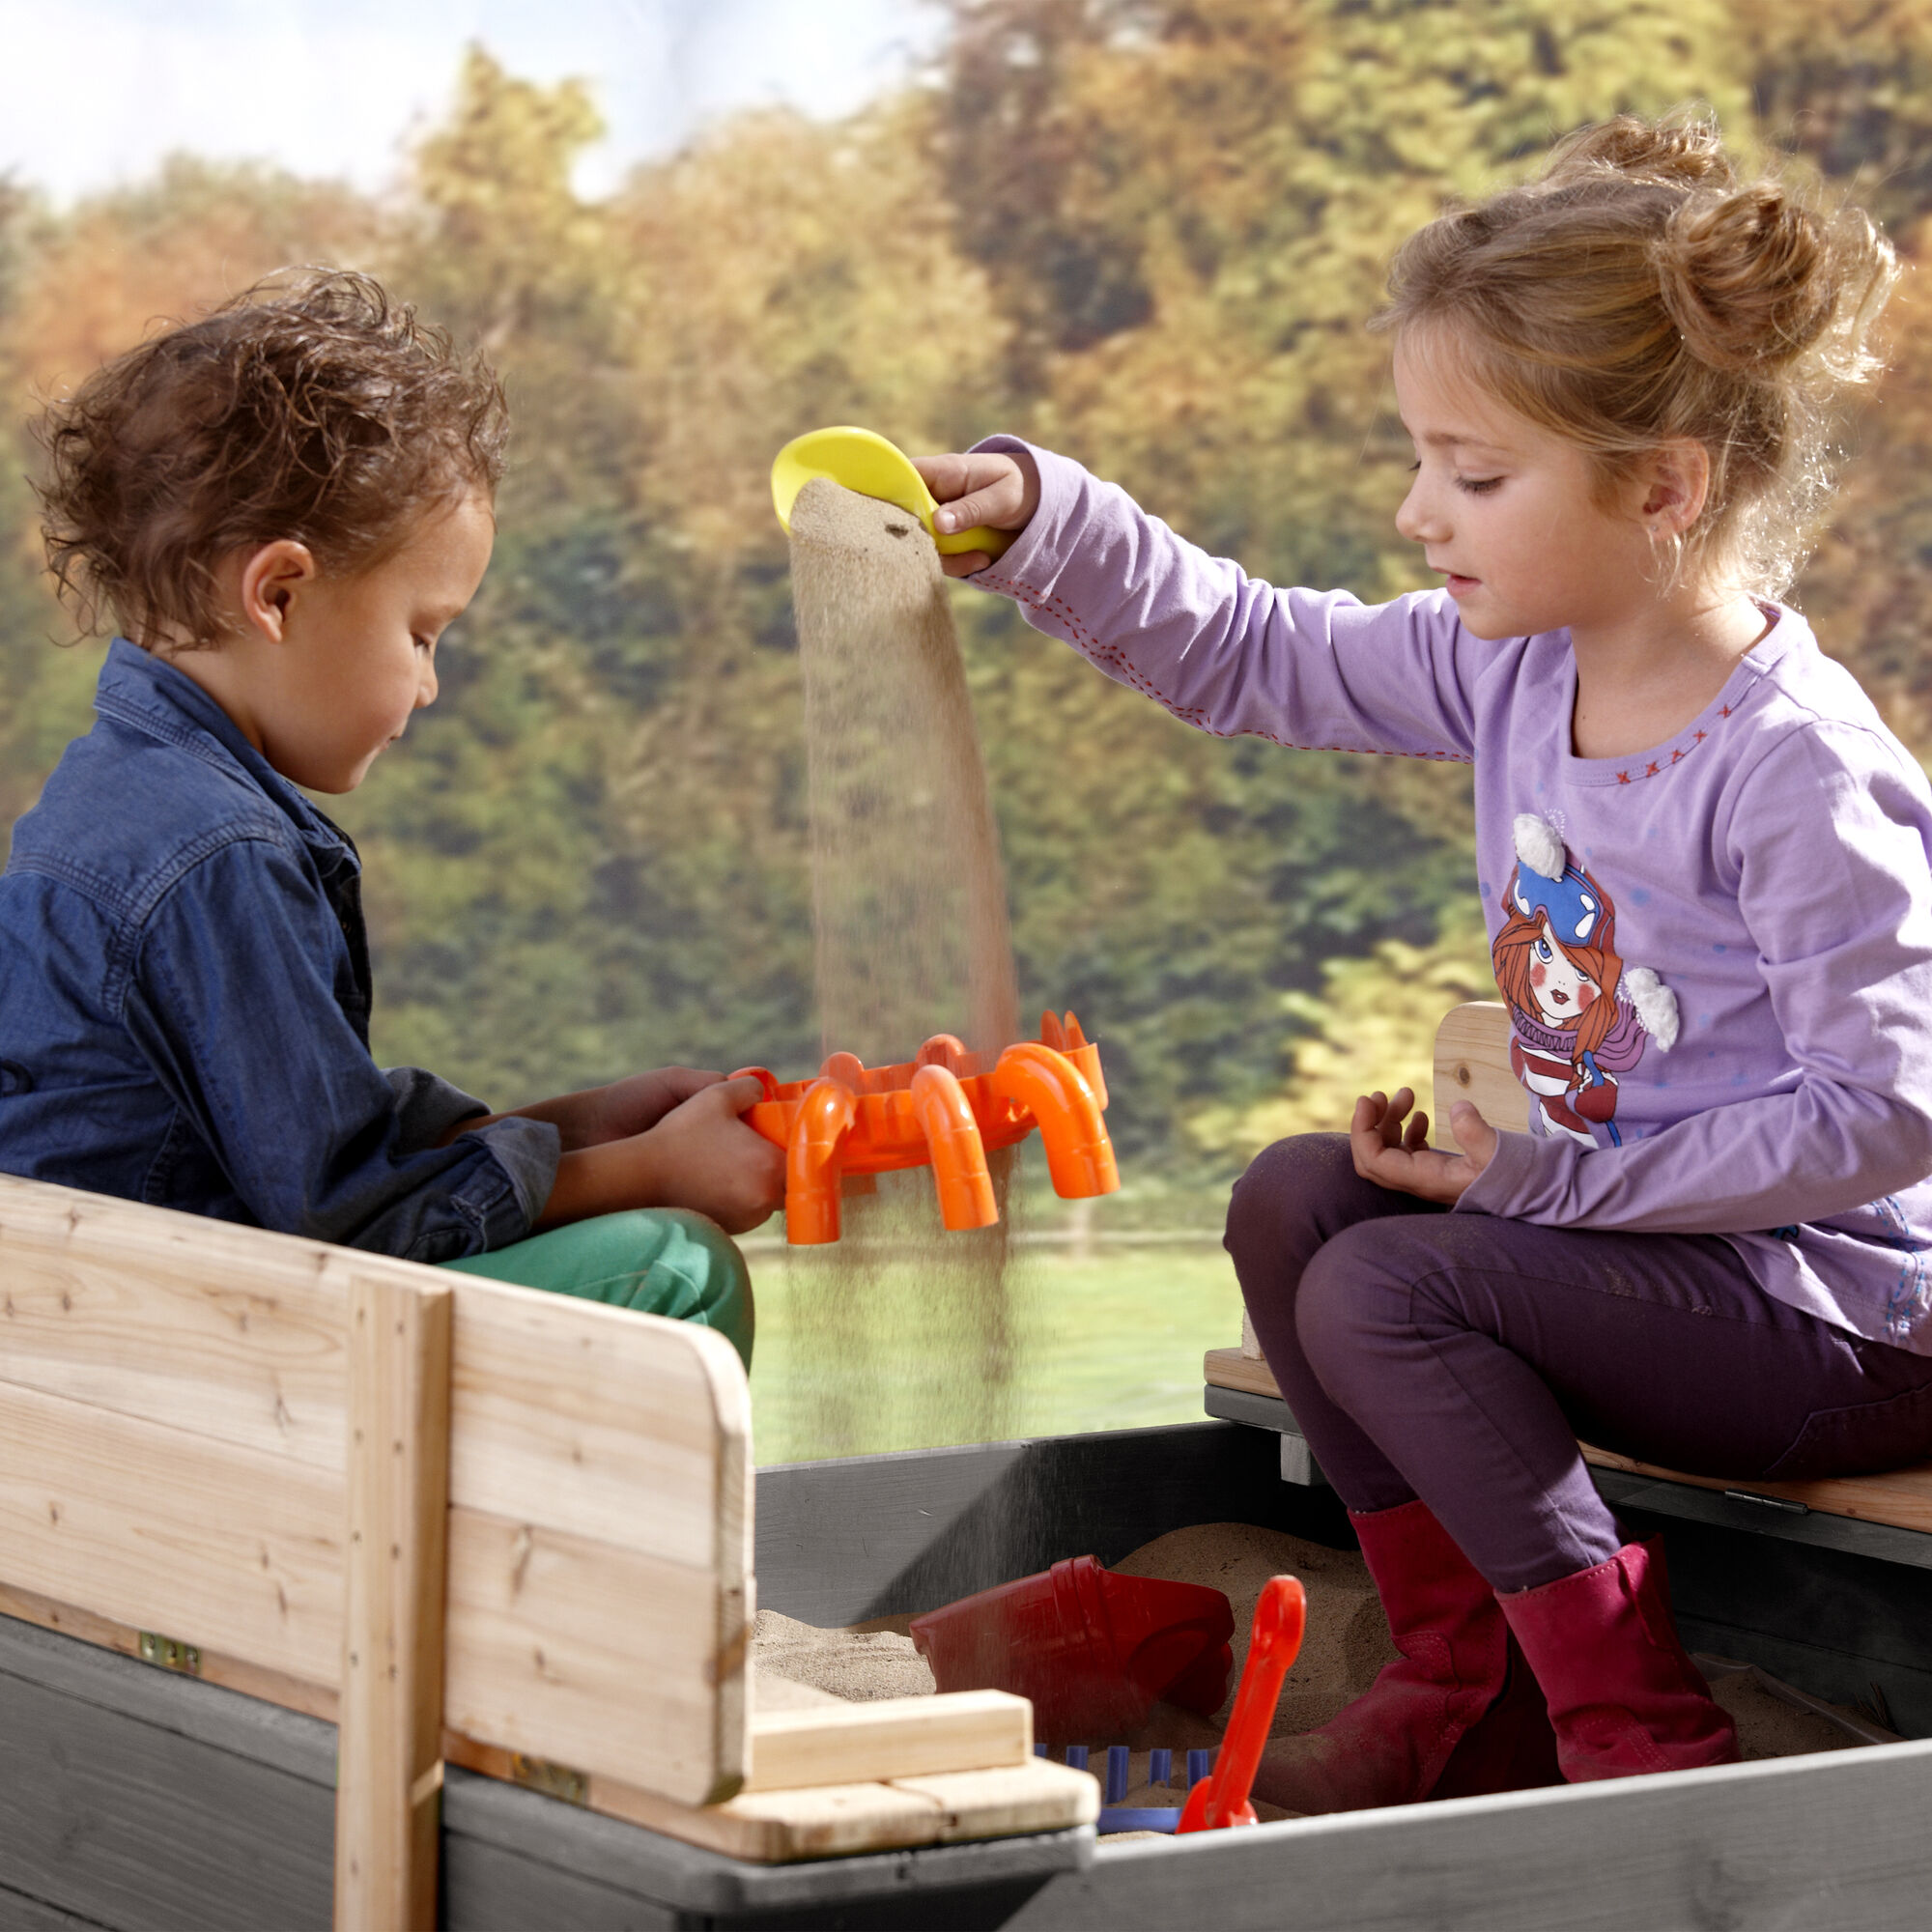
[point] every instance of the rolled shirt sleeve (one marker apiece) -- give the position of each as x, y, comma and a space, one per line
232, 995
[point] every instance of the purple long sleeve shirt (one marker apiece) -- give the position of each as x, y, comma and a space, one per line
1753, 899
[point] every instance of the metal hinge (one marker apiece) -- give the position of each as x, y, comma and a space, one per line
553, 1781
1788, 1504
170, 1652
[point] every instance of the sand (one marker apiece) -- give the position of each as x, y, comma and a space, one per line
852, 1666
908, 889
1346, 1642
911, 939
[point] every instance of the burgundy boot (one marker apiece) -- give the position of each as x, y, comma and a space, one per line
1624, 1695
1456, 1714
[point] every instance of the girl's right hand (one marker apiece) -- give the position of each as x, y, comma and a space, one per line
997, 488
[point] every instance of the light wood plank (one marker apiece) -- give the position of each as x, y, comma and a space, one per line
603, 1659
1038, 1795
1473, 1063
174, 1318
892, 1738
389, 1759
1236, 1368
1901, 1497
221, 1547
595, 1420
827, 1821
211, 1667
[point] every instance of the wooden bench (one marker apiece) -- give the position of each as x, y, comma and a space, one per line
1884, 1515
466, 1523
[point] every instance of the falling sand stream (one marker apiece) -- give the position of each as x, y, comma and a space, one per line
912, 939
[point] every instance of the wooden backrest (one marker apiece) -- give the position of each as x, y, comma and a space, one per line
176, 1431
1473, 1063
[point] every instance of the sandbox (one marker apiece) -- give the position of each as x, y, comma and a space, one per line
135, 1799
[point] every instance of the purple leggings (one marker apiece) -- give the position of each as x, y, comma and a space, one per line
1457, 1357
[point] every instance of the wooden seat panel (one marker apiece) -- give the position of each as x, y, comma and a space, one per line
1472, 1064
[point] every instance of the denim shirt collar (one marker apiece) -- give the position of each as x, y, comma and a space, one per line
139, 688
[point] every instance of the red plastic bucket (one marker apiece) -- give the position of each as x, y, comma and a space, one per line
1093, 1650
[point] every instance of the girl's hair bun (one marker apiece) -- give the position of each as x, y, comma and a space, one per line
1752, 279
1685, 151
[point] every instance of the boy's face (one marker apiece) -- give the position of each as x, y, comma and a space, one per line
327, 669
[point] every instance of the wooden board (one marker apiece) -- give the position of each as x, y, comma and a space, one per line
1472, 1064
389, 1745
842, 1821
892, 1738
172, 1458
1814, 1842
1899, 1497
1236, 1369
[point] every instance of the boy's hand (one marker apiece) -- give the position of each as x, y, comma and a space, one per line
997, 488
701, 1156
1400, 1157
637, 1104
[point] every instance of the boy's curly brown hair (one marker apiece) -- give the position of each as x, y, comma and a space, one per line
311, 407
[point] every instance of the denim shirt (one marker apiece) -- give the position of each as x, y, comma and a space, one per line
185, 1001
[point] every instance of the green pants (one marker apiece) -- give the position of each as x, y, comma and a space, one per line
660, 1260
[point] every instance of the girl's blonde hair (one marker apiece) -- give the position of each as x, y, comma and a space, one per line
1637, 292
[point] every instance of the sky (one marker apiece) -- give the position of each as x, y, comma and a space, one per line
94, 92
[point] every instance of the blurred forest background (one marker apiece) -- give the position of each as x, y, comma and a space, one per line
1147, 234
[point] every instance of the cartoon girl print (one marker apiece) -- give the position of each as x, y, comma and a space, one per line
1579, 1021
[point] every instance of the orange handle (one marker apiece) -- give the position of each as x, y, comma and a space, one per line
813, 1162
959, 1155
1221, 1798
1079, 1155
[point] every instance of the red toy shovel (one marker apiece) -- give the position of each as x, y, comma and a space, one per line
1221, 1798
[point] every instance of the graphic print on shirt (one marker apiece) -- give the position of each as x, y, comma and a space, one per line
1576, 1018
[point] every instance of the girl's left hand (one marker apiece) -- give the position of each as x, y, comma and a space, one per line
1400, 1157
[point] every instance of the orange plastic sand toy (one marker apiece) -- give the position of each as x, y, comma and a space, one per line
947, 1108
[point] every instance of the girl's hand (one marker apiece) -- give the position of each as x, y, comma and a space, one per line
995, 488
1400, 1157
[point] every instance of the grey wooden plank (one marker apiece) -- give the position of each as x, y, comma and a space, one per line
484, 1819
487, 1889
21, 1913
1269, 1413
133, 1825
1833, 1841
285, 1740
875, 1535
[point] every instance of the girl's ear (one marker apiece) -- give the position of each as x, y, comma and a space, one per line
1677, 482
272, 578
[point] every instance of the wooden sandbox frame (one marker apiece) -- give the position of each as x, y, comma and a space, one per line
464, 1522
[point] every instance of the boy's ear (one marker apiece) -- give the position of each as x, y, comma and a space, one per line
1677, 485
271, 579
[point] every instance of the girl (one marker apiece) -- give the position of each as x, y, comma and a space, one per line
286, 504
1704, 862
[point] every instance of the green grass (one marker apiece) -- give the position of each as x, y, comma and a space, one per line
852, 1360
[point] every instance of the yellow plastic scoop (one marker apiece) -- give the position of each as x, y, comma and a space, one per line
858, 459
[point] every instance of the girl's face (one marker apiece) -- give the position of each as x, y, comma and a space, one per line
1562, 991
1509, 513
